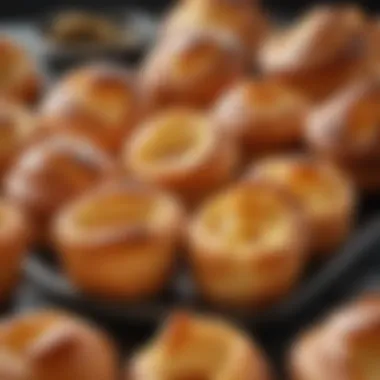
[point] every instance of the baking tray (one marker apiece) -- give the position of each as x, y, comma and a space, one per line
141, 27
319, 281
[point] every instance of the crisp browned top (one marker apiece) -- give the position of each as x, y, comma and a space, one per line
322, 35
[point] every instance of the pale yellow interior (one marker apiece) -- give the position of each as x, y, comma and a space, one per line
175, 140
248, 217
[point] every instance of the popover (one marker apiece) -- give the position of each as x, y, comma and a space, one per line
101, 102
199, 347
346, 130
345, 346
14, 237
180, 150
248, 246
318, 54
191, 69
326, 195
262, 115
243, 19
52, 345
19, 78
120, 240
50, 173
17, 128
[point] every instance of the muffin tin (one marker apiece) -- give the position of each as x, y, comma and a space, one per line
139, 29
320, 280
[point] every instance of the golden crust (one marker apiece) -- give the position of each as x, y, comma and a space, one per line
191, 69
326, 195
99, 102
195, 347
262, 116
180, 150
346, 129
318, 54
246, 248
51, 345
344, 346
119, 241
244, 20
49, 174
19, 79
14, 237
18, 127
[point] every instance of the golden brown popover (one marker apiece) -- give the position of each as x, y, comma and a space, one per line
242, 19
346, 129
345, 346
19, 79
101, 102
319, 53
51, 345
199, 347
49, 174
325, 193
17, 128
191, 69
14, 236
119, 241
180, 150
248, 246
262, 116
372, 42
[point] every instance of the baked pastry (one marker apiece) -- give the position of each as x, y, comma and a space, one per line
320, 53
52, 345
191, 69
19, 78
372, 42
100, 102
119, 241
180, 150
346, 130
243, 19
17, 128
49, 174
14, 237
248, 246
199, 347
262, 115
345, 346
326, 195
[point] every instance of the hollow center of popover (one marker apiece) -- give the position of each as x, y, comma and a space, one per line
118, 210
250, 217
174, 141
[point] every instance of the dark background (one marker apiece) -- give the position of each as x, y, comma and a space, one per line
27, 8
